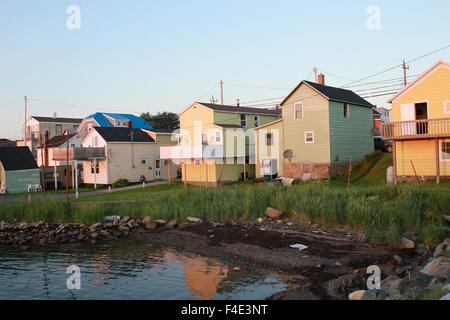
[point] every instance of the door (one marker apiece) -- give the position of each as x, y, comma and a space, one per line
408, 113
158, 169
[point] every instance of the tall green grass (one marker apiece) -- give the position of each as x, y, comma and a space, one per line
383, 211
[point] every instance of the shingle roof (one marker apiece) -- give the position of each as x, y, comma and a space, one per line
62, 120
136, 122
335, 94
123, 135
56, 141
17, 158
233, 126
219, 107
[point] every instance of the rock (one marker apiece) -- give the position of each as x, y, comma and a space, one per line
112, 218
439, 267
95, 226
146, 220
80, 237
337, 264
259, 220
446, 297
171, 224
24, 248
160, 222
150, 225
94, 235
123, 228
398, 260
443, 249
357, 295
273, 213
124, 220
387, 282
446, 218
287, 181
131, 224
374, 294
194, 220
405, 243
394, 288
422, 249
236, 269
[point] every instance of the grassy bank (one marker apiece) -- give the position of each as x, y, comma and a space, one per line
384, 212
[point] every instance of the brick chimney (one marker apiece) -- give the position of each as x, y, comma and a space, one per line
321, 79
237, 103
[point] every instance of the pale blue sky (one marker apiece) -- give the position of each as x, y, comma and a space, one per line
137, 56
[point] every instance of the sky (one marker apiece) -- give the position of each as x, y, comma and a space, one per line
155, 56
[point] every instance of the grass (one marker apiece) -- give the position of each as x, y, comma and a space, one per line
384, 212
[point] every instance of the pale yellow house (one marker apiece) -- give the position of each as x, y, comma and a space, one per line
420, 127
131, 154
216, 142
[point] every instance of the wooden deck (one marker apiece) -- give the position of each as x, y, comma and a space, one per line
416, 130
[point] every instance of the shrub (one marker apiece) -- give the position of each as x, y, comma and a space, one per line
121, 183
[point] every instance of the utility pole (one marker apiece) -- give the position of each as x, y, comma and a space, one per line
221, 92
25, 123
42, 164
405, 67
67, 174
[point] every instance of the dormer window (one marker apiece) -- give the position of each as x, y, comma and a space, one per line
243, 120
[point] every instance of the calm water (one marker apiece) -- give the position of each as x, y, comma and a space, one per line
126, 270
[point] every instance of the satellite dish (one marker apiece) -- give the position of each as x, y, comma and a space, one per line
288, 154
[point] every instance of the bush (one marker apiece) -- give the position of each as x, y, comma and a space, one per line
121, 183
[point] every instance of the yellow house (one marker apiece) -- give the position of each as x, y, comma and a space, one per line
420, 127
216, 142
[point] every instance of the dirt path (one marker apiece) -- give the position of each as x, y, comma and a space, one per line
325, 270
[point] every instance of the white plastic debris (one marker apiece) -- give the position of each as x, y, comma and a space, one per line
298, 246
112, 218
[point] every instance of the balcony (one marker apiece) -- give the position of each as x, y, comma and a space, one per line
416, 129
192, 152
78, 154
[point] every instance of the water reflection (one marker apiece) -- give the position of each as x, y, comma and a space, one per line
126, 270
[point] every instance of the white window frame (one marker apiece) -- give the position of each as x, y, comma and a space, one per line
144, 162
295, 111
441, 157
313, 137
60, 129
447, 107
245, 120
346, 106
218, 137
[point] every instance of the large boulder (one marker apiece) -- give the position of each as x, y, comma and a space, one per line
443, 249
439, 268
357, 295
274, 213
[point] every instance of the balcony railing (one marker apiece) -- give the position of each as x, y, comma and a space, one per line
416, 129
192, 152
78, 153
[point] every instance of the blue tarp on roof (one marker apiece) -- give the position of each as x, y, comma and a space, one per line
136, 122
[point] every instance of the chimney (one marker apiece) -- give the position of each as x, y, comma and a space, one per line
237, 103
321, 79
54, 115
129, 124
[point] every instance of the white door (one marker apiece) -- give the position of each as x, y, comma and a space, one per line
408, 113
158, 169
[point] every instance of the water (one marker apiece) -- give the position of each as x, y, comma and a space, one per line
126, 270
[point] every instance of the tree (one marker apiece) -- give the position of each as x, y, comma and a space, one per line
162, 120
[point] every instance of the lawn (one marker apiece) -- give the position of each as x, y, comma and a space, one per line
384, 212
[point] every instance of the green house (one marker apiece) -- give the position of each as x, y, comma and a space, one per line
18, 169
322, 127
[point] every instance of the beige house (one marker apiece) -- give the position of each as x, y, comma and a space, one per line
50, 126
131, 154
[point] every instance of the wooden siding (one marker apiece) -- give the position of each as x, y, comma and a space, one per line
235, 119
17, 181
350, 136
315, 118
265, 152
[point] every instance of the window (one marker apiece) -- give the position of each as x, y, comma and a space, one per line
256, 121
243, 120
58, 129
345, 110
218, 137
298, 109
445, 149
89, 126
97, 168
309, 137
204, 138
144, 162
75, 127
94, 141
268, 139
447, 106
197, 162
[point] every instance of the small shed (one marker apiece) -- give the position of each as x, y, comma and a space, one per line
18, 169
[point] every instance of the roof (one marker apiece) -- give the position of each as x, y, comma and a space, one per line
220, 107
57, 120
7, 143
17, 158
161, 131
334, 94
136, 122
57, 141
268, 124
228, 126
123, 134
418, 80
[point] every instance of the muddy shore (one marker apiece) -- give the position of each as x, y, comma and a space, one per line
333, 264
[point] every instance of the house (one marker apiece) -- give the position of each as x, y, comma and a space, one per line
7, 143
321, 128
216, 142
39, 127
111, 120
376, 123
127, 153
420, 127
385, 114
18, 169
